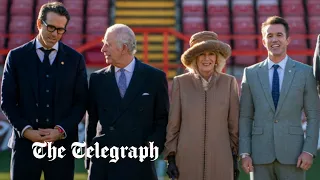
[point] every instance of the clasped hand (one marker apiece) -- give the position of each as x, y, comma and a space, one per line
42, 135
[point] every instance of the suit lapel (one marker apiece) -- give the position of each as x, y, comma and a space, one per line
135, 85
32, 64
286, 83
263, 75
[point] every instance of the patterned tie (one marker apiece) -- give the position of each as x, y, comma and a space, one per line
275, 86
46, 60
122, 83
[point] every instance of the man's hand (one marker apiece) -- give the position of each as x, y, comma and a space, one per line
34, 135
305, 161
52, 134
247, 164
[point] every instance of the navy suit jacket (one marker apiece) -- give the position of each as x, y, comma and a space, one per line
141, 116
20, 90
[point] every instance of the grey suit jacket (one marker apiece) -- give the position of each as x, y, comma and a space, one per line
269, 134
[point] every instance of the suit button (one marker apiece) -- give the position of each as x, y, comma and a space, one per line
141, 109
48, 105
111, 128
47, 120
37, 120
275, 121
37, 104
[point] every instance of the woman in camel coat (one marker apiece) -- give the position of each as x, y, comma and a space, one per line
202, 133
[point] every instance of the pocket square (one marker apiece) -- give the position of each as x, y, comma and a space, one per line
145, 94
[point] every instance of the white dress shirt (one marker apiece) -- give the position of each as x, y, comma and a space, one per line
128, 72
40, 53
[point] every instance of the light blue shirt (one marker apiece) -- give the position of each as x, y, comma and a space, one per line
128, 72
40, 53
280, 70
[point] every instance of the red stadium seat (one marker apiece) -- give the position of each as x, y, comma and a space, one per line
314, 25
218, 7
243, 25
75, 25
21, 7
95, 57
75, 8
297, 44
20, 24
98, 7
16, 41
313, 42
292, 8
3, 7
96, 24
3, 20
72, 40
242, 8
303, 59
245, 60
40, 3
267, 7
313, 7
219, 24
193, 24
192, 8
2, 40
245, 44
297, 24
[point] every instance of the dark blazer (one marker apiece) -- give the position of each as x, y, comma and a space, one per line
20, 90
141, 116
316, 62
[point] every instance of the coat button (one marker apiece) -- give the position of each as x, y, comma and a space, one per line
47, 120
48, 105
275, 121
111, 128
37, 120
141, 109
37, 104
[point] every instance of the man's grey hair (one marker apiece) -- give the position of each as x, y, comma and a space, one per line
124, 36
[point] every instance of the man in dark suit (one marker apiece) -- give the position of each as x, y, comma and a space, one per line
316, 62
128, 100
44, 89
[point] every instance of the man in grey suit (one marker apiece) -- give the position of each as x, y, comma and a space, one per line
274, 94
316, 62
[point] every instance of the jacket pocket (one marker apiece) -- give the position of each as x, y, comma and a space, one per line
295, 130
257, 130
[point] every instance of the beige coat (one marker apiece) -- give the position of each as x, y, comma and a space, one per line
203, 126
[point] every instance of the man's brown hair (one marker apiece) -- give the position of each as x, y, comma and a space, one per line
276, 20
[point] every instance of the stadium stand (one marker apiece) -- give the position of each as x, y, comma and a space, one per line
235, 21
150, 13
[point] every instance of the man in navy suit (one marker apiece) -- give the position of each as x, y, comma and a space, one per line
44, 89
128, 106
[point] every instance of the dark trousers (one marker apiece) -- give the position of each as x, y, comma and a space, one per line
25, 166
